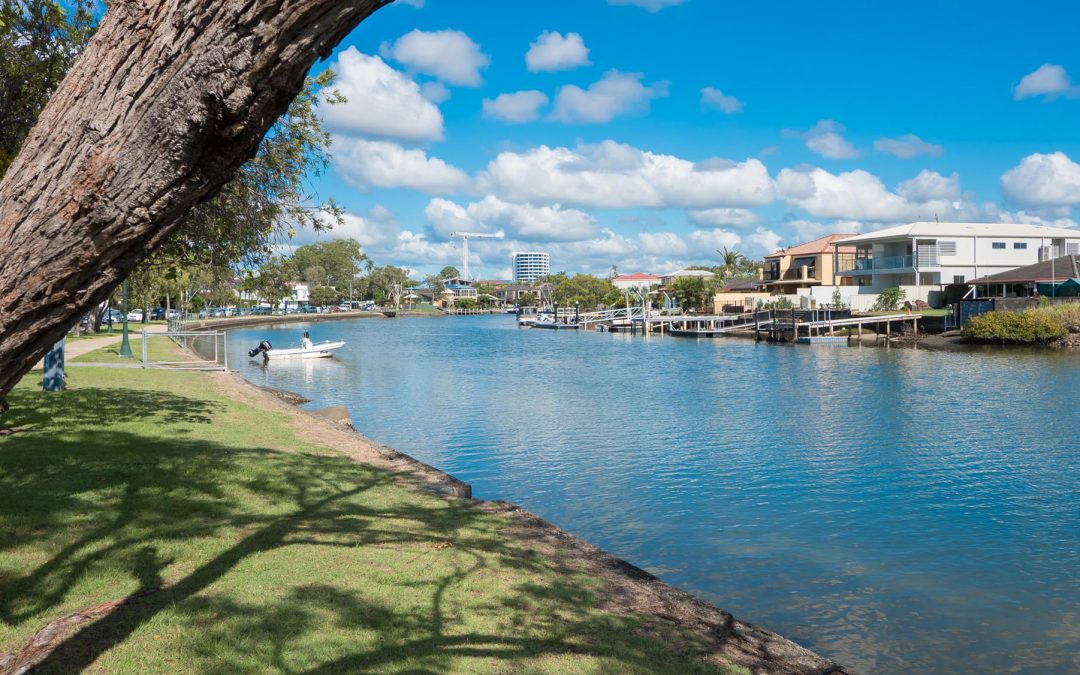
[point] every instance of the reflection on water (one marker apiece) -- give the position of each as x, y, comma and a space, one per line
896, 510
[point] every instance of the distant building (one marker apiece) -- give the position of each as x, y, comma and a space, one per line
511, 294
461, 288
928, 256
635, 280
300, 291
806, 265
668, 279
528, 266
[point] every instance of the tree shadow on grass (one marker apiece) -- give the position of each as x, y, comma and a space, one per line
95, 406
253, 554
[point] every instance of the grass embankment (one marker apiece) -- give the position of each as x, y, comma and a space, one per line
1042, 325
238, 546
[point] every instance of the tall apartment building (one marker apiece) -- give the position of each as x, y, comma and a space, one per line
528, 266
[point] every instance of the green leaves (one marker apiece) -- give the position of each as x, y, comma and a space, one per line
1032, 326
39, 40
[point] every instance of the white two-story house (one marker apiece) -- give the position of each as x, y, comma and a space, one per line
925, 257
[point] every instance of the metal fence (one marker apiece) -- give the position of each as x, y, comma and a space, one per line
203, 350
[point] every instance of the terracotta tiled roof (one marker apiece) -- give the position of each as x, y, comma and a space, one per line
637, 276
820, 245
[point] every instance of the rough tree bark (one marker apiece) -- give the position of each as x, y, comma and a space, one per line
167, 101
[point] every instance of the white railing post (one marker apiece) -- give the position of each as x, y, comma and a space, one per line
144, 348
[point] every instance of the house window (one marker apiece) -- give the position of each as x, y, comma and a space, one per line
1072, 249
1020, 244
946, 247
958, 279
999, 244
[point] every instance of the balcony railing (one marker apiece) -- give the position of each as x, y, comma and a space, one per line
891, 262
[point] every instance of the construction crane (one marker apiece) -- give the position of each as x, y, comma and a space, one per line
465, 247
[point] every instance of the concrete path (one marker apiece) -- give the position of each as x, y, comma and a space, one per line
75, 348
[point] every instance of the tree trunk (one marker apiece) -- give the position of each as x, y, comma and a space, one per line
167, 101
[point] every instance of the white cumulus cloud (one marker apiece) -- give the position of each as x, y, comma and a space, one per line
553, 51
435, 91
930, 185
448, 55
1047, 80
613, 175
1043, 180
380, 101
520, 221
706, 243
381, 164
713, 98
614, 95
518, 107
724, 217
907, 146
860, 195
826, 139
376, 228
667, 244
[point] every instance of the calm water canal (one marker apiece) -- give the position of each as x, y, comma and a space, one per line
897, 510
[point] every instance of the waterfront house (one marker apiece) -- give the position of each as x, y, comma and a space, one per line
461, 288
636, 280
510, 294
813, 263
669, 279
739, 295
1057, 277
923, 258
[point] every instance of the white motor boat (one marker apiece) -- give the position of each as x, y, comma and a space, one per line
321, 350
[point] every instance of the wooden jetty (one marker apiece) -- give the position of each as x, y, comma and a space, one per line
803, 326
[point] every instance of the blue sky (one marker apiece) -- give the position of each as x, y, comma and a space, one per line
648, 133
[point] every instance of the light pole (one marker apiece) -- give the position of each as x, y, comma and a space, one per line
125, 346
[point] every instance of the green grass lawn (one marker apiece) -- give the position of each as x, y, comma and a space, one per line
240, 548
159, 348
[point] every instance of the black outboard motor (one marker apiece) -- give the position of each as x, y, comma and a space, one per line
263, 347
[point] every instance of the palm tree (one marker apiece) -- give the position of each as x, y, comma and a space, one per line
731, 259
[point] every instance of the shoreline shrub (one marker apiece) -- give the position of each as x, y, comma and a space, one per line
1030, 326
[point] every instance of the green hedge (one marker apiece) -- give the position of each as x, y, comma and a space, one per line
1032, 326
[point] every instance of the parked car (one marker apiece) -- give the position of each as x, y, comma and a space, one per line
173, 314
309, 309
157, 314
260, 310
135, 315
113, 315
